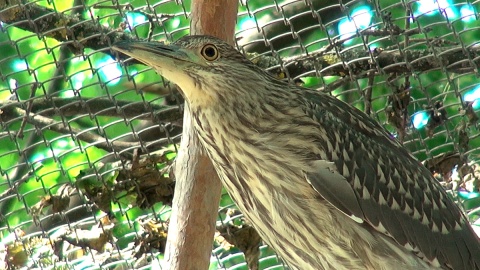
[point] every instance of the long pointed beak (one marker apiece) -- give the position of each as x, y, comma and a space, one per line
152, 53
170, 61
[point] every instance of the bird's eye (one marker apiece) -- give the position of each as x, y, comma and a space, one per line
209, 52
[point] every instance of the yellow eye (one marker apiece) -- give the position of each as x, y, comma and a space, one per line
209, 52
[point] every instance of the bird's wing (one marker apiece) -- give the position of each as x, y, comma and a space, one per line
372, 178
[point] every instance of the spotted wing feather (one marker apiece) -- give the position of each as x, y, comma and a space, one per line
377, 180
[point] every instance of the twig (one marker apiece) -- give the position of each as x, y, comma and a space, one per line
33, 90
13, 189
368, 92
97, 106
89, 137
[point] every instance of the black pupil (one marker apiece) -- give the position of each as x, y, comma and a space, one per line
209, 51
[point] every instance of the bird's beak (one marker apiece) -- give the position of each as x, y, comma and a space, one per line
171, 61
154, 54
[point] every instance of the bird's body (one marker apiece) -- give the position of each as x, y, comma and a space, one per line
323, 184
290, 201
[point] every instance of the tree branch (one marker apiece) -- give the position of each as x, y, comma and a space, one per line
94, 106
89, 137
454, 59
70, 29
198, 187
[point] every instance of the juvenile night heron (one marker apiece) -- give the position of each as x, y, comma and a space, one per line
325, 185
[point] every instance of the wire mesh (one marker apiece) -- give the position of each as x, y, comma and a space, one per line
86, 144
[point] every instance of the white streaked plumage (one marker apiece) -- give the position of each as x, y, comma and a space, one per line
300, 164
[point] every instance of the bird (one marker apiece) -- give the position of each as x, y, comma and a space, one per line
323, 183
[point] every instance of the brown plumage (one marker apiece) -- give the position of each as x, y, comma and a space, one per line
325, 185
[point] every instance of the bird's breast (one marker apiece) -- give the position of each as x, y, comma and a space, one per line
269, 188
263, 169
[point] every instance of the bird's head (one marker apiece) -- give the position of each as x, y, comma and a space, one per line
207, 69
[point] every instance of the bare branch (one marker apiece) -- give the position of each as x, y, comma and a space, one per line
70, 29
86, 136
94, 106
454, 59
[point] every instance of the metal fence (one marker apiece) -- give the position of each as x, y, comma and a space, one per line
86, 143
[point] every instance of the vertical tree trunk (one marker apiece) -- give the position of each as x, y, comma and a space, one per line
198, 189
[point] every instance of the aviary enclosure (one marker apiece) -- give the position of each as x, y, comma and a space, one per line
88, 140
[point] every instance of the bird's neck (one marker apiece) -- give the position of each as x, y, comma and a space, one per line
251, 121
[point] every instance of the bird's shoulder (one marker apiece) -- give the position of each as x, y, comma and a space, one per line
326, 108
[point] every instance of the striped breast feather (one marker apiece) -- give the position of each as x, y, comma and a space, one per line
372, 178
